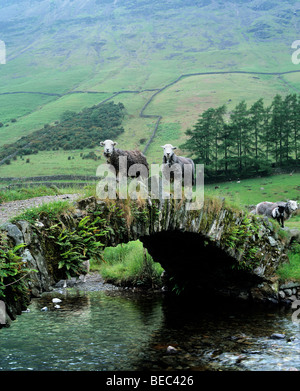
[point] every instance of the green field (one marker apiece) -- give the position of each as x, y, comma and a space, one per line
51, 163
250, 192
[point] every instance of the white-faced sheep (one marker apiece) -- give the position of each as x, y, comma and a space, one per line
173, 163
280, 211
113, 154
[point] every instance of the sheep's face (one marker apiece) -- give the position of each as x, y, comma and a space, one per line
168, 151
108, 147
292, 205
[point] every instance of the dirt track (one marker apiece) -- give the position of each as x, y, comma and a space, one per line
14, 208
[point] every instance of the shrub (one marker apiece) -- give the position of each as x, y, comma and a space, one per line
12, 268
78, 245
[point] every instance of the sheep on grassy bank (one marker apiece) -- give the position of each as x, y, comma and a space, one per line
280, 211
113, 154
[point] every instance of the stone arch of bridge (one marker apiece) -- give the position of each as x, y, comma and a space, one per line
197, 263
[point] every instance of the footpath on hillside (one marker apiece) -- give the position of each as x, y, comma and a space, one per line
11, 209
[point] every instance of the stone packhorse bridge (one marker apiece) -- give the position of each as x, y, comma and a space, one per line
217, 249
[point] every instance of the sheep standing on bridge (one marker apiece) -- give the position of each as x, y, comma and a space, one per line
280, 211
176, 163
112, 155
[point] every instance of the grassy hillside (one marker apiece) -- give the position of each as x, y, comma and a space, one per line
61, 47
179, 105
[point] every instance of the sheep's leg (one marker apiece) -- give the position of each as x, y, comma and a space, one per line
278, 220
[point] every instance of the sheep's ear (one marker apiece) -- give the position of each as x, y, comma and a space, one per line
115, 143
162, 146
174, 147
101, 143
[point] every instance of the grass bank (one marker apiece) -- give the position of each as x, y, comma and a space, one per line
25, 193
31, 192
291, 270
129, 265
52, 210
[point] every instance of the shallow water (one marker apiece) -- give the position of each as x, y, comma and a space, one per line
126, 331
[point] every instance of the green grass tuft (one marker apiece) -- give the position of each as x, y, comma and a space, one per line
25, 193
291, 270
52, 210
129, 264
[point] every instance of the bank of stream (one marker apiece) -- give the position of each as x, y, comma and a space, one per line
101, 327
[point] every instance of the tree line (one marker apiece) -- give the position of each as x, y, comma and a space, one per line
248, 141
74, 131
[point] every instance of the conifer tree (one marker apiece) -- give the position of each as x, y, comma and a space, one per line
257, 123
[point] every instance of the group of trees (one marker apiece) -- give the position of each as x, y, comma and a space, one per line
74, 131
247, 141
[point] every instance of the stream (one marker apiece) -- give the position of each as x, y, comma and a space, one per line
110, 330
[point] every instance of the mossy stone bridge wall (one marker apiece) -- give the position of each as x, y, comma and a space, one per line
216, 247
